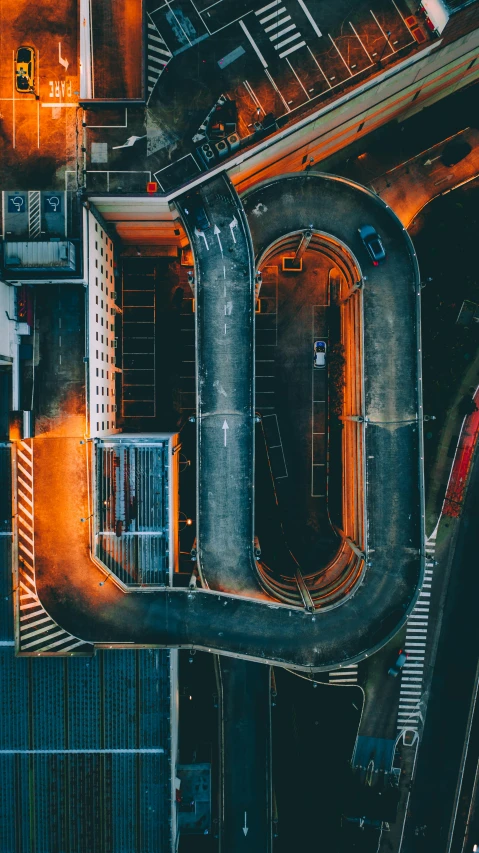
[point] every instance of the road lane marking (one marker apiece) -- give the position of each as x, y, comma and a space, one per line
310, 18
269, 6
253, 45
225, 427
273, 15
278, 24
292, 49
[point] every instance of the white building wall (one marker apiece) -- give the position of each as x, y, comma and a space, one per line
10, 338
101, 328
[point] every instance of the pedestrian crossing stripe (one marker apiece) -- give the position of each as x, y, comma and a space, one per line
158, 56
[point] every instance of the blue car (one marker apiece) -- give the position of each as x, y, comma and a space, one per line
372, 243
396, 668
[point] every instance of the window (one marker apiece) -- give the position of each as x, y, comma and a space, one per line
97, 335
102, 391
106, 291
96, 281
106, 323
102, 373
108, 424
107, 257
96, 229
97, 371
97, 426
101, 320
96, 299
96, 317
96, 244
101, 269
101, 337
103, 424
107, 408
101, 252
107, 374
96, 353
107, 392
102, 303
107, 358
97, 390
96, 263
101, 234
102, 285
97, 408
102, 356
102, 408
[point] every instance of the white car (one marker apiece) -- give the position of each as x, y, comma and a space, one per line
319, 357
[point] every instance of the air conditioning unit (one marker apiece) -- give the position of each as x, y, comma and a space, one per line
222, 148
115, 342
113, 359
233, 141
206, 154
113, 295
114, 407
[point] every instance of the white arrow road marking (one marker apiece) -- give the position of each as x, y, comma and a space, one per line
233, 225
228, 308
224, 428
202, 234
217, 231
431, 160
62, 61
245, 827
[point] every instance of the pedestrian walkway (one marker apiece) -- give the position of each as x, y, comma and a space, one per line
37, 631
412, 676
346, 675
158, 56
278, 26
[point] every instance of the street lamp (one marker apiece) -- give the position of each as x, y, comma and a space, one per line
102, 583
184, 520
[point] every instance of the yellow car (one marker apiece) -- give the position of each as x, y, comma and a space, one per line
25, 69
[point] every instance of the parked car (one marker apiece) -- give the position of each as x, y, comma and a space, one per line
194, 208
25, 69
319, 356
372, 244
397, 666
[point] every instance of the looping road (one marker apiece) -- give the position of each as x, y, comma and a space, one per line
243, 621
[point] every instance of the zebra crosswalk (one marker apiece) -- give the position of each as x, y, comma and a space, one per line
280, 29
37, 632
345, 675
412, 675
158, 56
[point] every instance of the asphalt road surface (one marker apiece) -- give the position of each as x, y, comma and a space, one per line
245, 777
433, 794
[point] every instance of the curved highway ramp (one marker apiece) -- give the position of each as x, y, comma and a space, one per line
232, 614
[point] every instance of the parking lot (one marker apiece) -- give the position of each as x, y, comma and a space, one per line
38, 127
271, 58
292, 398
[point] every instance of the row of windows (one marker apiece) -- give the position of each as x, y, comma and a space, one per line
106, 341
96, 299
101, 251
103, 391
104, 357
103, 425
102, 408
106, 371
101, 286
109, 243
101, 269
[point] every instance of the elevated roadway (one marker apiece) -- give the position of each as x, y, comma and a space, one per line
245, 621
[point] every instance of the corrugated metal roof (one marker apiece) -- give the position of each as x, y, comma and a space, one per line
111, 790
131, 517
59, 254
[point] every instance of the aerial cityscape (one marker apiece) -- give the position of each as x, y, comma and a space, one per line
239, 411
